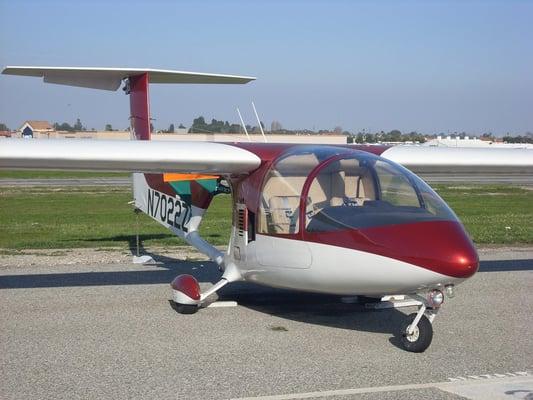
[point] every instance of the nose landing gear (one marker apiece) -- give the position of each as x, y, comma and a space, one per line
416, 333
416, 338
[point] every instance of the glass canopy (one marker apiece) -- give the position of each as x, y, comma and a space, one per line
339, 189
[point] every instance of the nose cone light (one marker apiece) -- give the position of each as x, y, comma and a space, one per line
450, 291
435, 298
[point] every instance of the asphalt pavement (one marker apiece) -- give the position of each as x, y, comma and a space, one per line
76, 331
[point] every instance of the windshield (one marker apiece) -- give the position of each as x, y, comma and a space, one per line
362, 190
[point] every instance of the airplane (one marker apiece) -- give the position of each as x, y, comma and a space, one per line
338, 219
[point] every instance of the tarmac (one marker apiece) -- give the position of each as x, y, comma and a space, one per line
76, 330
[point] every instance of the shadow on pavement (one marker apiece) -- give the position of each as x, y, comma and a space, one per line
311, 308
506, 265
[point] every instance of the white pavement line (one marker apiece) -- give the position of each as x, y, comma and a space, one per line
223, 304
518, 381
493, 389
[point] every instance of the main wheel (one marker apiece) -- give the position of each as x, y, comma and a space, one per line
420, 339
185, 308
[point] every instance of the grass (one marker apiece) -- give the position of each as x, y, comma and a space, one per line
96, 217
492, 214
43, 174
44, 218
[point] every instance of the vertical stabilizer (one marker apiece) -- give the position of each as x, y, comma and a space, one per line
137, 88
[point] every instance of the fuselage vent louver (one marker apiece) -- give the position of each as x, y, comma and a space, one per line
241, 222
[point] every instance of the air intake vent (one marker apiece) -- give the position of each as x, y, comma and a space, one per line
241, 222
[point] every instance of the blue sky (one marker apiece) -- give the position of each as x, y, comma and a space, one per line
430, 66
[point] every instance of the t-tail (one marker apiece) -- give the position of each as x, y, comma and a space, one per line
175, 200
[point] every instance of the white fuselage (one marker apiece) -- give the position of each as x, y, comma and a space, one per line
315, 267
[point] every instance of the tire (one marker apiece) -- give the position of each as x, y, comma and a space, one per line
420, 340
185, 308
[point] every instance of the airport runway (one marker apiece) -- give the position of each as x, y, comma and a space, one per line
515, 179
99, 331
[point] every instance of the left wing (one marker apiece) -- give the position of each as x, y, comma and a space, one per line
425, 159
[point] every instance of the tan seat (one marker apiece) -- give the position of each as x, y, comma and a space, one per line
281, 214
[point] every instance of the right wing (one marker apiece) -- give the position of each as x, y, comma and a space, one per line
127, 156
178, 202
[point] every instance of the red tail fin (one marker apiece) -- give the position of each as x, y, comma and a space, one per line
139, 106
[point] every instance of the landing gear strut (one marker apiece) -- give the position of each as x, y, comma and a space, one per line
416, 333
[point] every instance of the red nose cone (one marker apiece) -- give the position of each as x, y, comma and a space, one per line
441, 246
466, 263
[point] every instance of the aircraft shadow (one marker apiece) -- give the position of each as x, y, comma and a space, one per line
506, 265
311, 308
316, 309
204, 271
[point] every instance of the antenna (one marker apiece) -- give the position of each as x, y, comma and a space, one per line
259, 122
244, 126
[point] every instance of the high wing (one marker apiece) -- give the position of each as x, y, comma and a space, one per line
127, 155
111, 78
425, 159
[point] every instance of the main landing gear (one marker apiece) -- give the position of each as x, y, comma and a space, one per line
186, 293
417, 332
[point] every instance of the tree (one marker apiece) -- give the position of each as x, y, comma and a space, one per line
275, 126
108, 127
78, 126
235, 128
337, 130
63, 127
394, 136
3, 127
198, 125
171, 128
181, 126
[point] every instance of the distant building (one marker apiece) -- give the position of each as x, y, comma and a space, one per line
35, 129
5, 134
456, 141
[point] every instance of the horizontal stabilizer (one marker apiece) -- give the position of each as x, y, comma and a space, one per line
111, 78
127, 156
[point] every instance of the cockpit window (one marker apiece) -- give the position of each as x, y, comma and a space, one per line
395, 187
280, 200
363, 191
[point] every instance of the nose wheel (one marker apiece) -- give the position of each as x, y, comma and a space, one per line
416, 333
419, 337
